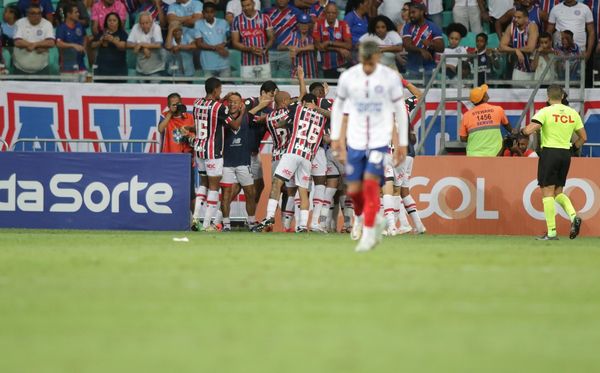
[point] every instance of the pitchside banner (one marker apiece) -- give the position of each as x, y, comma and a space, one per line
94, 191
499, 195
131, 111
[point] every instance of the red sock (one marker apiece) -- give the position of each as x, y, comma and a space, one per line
357, 201
371, 201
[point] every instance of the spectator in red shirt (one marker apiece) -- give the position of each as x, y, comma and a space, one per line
519, 148
174, 118
334, 42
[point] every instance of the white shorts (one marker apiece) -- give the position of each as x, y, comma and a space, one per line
210, 167
290, 183
402, 173
256, 71
333, 165
319, 163
237, 175
296, 166
388, 171
256, 167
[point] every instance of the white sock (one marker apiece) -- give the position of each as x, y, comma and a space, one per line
303, 218
297, 207
401, 212
327, 204
411, 209
346, 204
388, 211
288, 213
318, 195
272, 208
212, 201
218, 215
226, 223
200, 201
251, 220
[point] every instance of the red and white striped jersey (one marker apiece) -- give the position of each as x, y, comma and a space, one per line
253, 33
279, 136
307, 131
209, 118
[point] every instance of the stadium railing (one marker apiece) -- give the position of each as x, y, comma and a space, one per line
86, 146
462, 84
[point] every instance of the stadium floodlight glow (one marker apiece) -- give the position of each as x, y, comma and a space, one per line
31, 195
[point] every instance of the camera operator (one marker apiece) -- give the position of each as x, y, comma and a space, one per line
176, 117
517, 146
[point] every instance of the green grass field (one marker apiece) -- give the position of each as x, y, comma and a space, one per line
241, 302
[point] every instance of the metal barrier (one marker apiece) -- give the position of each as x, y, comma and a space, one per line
3, 145
459, 85
591, 146
85, 145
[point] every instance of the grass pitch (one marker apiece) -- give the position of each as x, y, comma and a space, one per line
241, 302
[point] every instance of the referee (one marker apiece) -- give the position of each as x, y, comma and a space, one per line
557, 123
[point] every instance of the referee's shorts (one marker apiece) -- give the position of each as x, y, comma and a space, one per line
553, 167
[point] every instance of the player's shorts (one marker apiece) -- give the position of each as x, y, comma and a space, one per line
290, 183
237, 175
319, 163
389, 173
371, 161
553, 167
256, 167
334, 167
210, 167
402, 173
292, 166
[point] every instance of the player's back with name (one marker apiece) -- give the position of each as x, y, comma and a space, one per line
307, 131
209, 117
279, 136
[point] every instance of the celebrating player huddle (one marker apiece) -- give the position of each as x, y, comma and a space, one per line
341, 151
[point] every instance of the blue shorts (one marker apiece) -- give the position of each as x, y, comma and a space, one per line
360, 162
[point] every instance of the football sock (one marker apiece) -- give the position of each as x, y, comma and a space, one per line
388, 211
550, 213
303, 218
211, 207
348, 210
411, 209
226, 223
251, 220
288, 213
357, 202
371, 201
401, 212
200, 200
271, 208
327, 205
566, 204
318, 195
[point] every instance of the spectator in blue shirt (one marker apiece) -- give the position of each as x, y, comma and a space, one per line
70, 40
422, 39
212, 35
186, 12
357, 19
180, 60
46, 5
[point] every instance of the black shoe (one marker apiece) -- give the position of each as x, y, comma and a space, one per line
575, 225
301, 230
545, 237
264, 225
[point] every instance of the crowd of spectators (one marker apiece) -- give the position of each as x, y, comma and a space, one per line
271, 38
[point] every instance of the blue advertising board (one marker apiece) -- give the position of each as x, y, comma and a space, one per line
94, 191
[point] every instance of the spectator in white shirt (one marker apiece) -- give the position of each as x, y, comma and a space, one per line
146, 41
576, 17
466, 12
34, 36
456, 31
234, 9
383, 32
